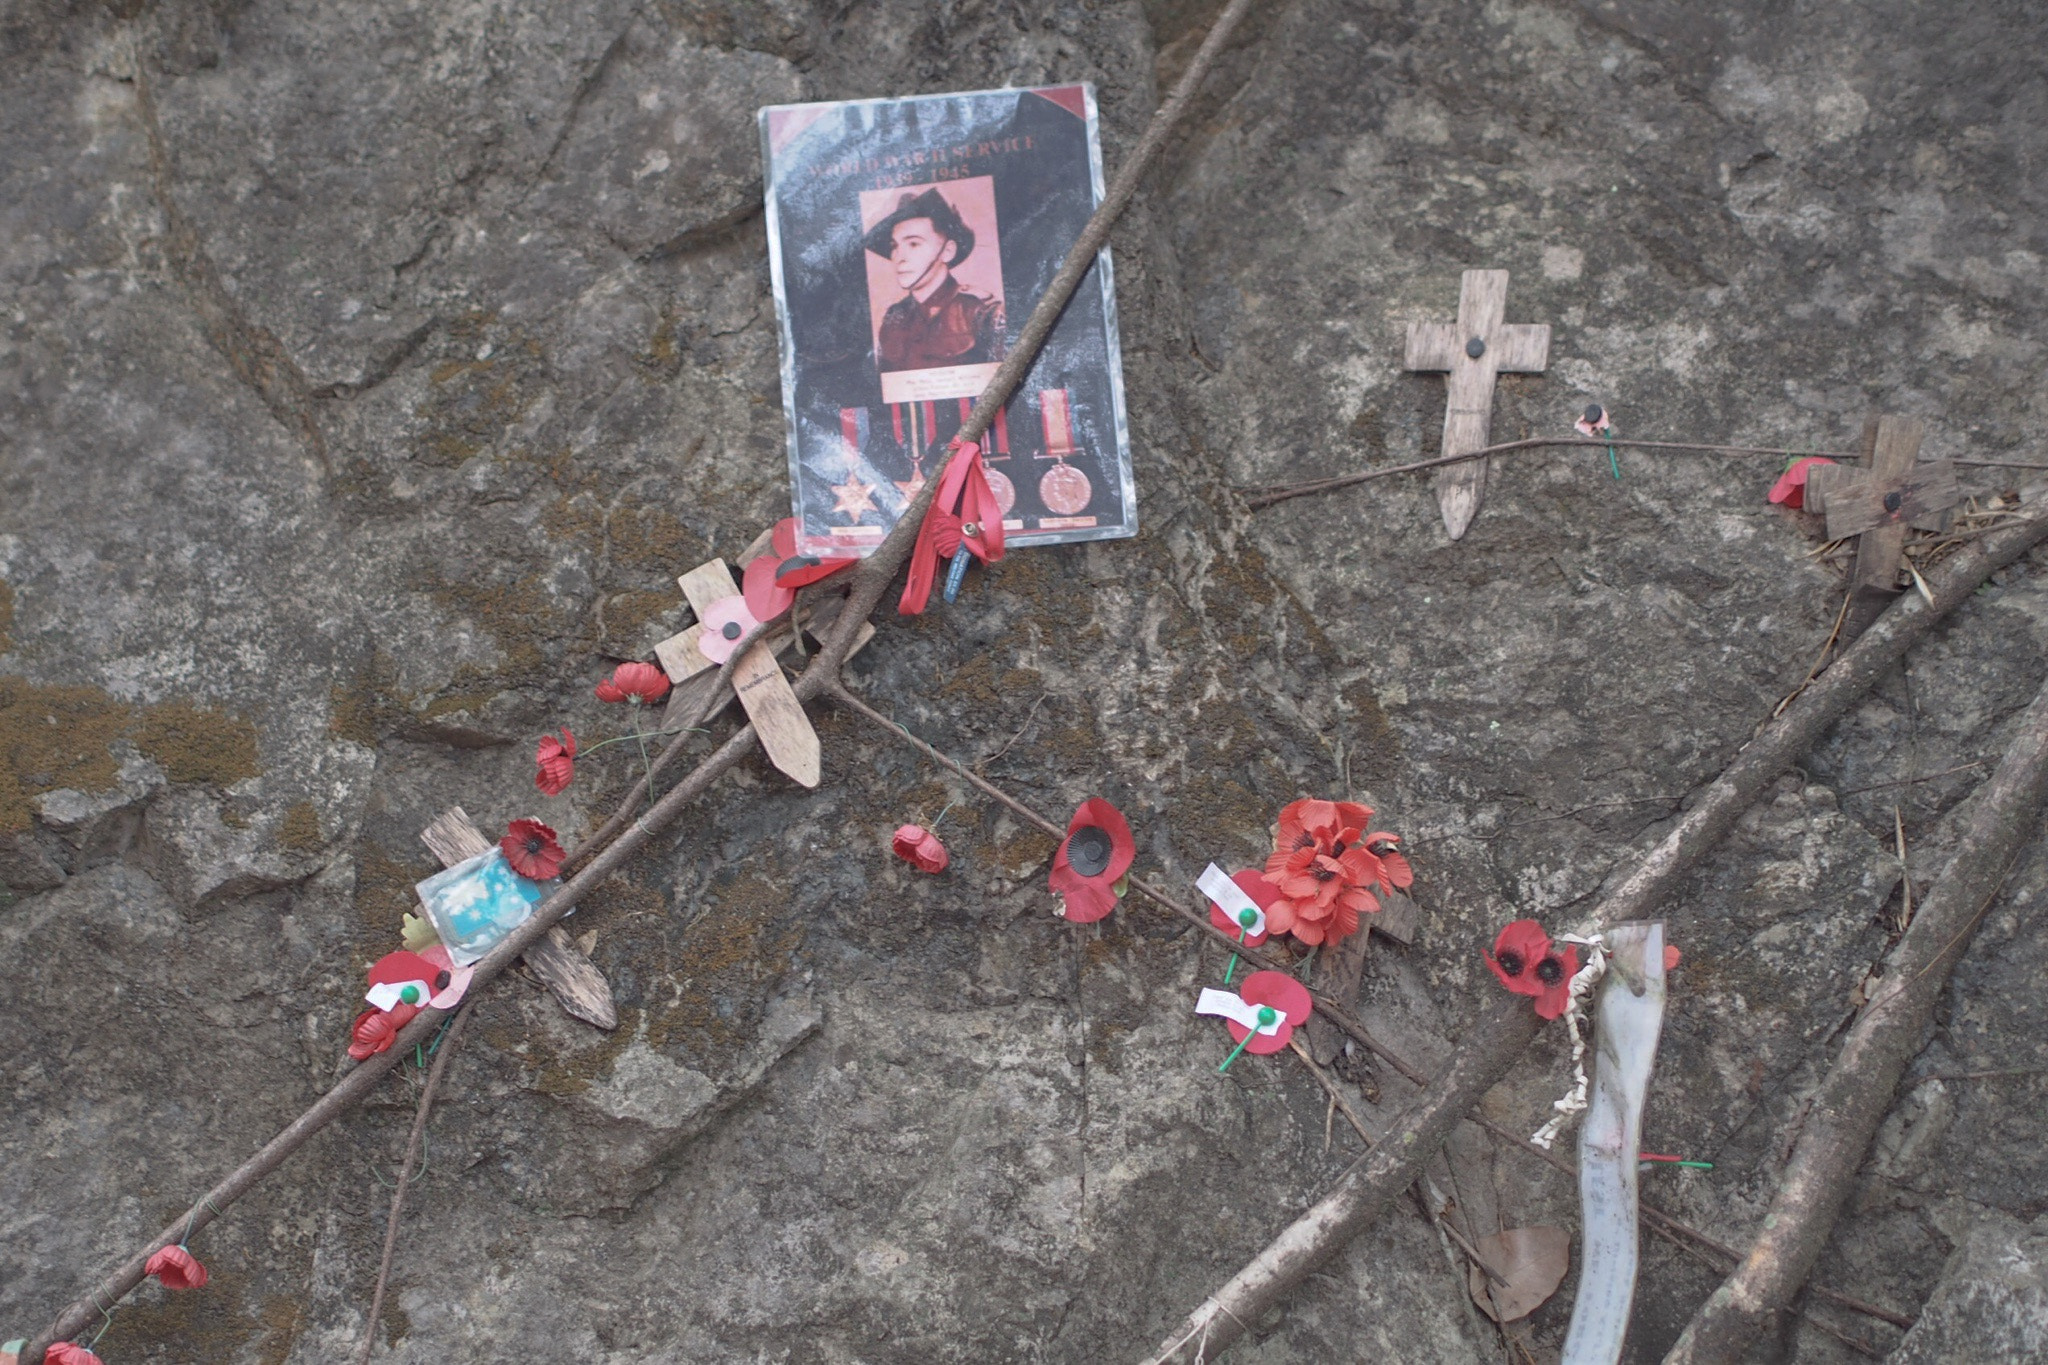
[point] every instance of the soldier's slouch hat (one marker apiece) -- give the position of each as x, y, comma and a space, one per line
930, 204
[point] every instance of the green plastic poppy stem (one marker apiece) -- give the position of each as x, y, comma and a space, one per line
1244, 921
1614, 464
1266, 1016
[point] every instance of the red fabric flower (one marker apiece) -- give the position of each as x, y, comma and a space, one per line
1284, 994
530, 847
1264, 895
635, 682
1323, 862
1528, 963
1790, 488
375, 1029
69, 1353
921, 848
557, 759
1091, 859
176, 1268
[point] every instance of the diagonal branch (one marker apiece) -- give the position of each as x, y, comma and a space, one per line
1858, 1088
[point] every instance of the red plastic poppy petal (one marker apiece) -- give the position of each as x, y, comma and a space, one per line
804, 570
1398, 871
766, 597
1087, 903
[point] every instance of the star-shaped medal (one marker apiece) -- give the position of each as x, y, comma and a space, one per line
910, 486
854, 497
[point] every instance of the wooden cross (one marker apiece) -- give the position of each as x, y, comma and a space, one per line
1473, 350
778, 717
555, 959
1877, 504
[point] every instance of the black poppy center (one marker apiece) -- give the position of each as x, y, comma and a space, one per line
441, 980
731, 630
1550, 971
1088, 851
1511, 962
534, 845
797, 564
1593, 414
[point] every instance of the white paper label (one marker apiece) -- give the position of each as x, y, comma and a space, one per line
1228, 1005
1215, 883
390, 993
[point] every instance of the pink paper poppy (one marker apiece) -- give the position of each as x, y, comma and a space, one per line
921, 848
635, 682
1593, 422
446, 996
726, 622
530, 847
1091, 860
176, 1268
557, 759
1790, 488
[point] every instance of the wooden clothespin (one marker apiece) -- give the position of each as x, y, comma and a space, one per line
562, 967
1877, 504
1474, 349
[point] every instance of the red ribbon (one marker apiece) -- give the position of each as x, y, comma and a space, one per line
964, 499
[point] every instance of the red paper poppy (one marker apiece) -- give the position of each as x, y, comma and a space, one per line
69, 1353
375, 1029
176, 1268
635, 682
557, 759
1284, 994
921, 848
1528, 963
1671, 956
800, 571
1790, 488
395, 969
1264, 894
766, 598
1091, 859
1323, 862
530, 847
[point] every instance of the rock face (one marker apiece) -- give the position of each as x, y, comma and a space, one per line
368, 372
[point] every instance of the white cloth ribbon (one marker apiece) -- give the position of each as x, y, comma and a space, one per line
1215, 883
1228, 1005
386, 996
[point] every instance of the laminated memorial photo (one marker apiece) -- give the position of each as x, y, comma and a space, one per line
908, 239
476, 903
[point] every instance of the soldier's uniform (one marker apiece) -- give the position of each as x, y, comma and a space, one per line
952, 327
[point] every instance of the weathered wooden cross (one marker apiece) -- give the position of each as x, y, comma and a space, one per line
1473, 350
1877, 504
556, 960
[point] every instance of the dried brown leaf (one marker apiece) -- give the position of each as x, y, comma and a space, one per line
1533, 1260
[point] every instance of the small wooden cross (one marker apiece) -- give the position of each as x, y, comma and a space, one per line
562, 967
1473, 350
1877, 504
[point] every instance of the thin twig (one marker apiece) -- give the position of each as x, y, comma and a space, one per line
412, 1147
1258, 499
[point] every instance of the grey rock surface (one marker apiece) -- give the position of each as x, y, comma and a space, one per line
1991, 1303
368, 372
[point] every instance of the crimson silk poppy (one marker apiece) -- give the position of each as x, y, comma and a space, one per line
1790, 488
1323, 861
531, 848
1095, 854
634, 682
1528, 963
921, 848
176, 1268
557, 760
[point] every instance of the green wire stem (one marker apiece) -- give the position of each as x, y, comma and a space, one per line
1267, 1015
